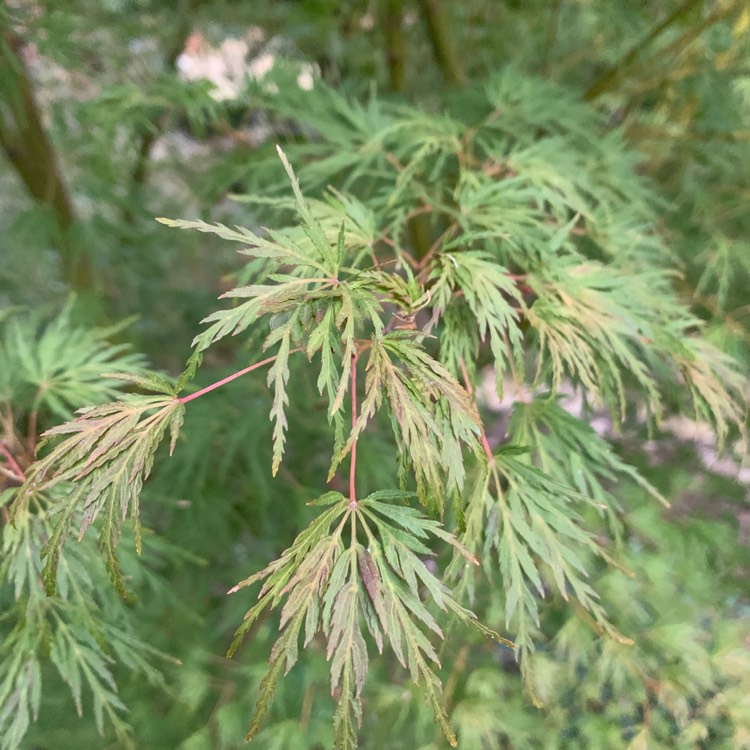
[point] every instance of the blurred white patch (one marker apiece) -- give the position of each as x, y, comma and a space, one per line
305, 79
232, 63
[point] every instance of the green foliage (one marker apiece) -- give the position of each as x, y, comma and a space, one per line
525, 518
53, 366
515, 510
84, 630
585, 258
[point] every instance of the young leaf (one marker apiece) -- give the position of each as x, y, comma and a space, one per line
99, 469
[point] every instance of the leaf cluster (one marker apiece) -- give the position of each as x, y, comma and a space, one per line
329, 581
54, 366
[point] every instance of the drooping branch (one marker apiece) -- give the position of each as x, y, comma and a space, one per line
29, 149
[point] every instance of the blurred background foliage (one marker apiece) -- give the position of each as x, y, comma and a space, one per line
113, 112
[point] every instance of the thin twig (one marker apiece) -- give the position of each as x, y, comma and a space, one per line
552, 28
307, 702
470, 391
17, 470
232, 377
353, 464
442, 239
679, 44
31, 438
459, 665
609, 78
10, 474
